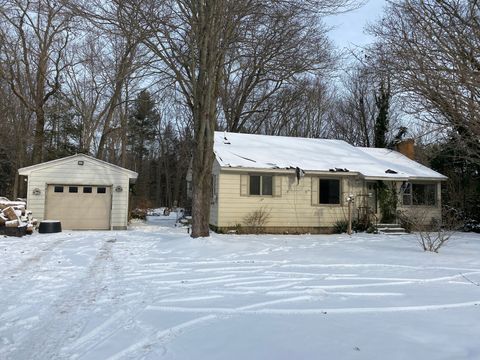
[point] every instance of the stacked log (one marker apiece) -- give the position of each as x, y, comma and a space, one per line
15, 219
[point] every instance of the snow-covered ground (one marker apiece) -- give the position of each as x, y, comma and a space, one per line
152, 292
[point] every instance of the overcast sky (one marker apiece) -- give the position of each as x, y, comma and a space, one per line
349, 27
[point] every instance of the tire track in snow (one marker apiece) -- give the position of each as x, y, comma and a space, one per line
170, 333
319, 311
394, 266
159, 338
28, 262
60, 322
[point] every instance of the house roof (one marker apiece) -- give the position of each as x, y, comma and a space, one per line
26, 171
234, 150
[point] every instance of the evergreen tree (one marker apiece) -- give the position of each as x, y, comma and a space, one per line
382, 101
142, 126
6, 171
142, 130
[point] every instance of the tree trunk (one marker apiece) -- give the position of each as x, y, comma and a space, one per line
201, 204
121, 78
39, 136
202, 168
124, 124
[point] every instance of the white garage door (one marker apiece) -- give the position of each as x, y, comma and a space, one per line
79, 207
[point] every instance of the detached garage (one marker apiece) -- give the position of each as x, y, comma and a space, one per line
82, 192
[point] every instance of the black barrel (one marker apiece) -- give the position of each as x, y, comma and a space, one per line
50, 226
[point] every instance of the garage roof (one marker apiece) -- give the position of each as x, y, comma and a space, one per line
26, 171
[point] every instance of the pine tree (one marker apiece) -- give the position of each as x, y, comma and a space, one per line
142, 130
382, 101
142, 126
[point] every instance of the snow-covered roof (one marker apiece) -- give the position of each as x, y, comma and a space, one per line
236, 150
26, 171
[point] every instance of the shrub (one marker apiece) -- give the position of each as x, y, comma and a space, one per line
471, 225
361, 226
433, 240
340, 226
433, 236
257, 219
406, 221
138, 213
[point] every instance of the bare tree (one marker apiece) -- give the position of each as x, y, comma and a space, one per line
432, 49
110, 54
34, 37
16, 127
303, 108
275, 46
355, 120
193, 40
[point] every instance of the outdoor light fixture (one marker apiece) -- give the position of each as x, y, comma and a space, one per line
36, 191
118, 189
80, 162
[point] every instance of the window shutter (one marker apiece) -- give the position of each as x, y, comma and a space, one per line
244, 185
277, 183
315, 196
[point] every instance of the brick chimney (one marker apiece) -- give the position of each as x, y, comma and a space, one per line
407, 148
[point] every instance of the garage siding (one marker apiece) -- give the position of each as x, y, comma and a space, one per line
70, 173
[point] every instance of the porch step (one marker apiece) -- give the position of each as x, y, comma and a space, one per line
391, 229
388, 225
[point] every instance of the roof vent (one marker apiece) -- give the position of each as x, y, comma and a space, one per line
339, 170
390, 171
225, 140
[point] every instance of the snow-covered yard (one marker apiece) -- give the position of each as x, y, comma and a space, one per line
152, 292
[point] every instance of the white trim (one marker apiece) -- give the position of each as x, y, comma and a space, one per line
26, 171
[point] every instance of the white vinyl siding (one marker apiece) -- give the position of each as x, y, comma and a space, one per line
70, 173
294, 203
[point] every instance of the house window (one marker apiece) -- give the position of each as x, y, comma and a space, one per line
261, 184
73, 189
329, 191
58, 189
419, 194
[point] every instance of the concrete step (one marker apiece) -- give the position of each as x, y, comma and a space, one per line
391, 229
394, 233
389, 225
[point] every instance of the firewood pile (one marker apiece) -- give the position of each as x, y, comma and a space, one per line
15, 219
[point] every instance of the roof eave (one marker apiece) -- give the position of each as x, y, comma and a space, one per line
26, 171
284, 170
